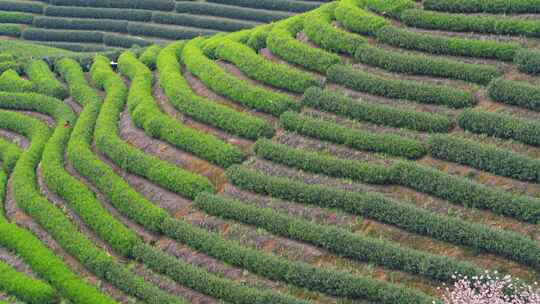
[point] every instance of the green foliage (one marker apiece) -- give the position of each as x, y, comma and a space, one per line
399, 89
233, 12
485, 157
360, 110
498, 25
500, 125
357, 139
9, 154
16, 17
241, 91
220, 24
22, 6
256, 67
10, 81
442, 45
150, 55
405, 216
44, 80
358, 20
319, 29
185, 100
278, 5
392, 8
339, 241
166, 32
517, 93
124, 41
418, 64
97, 13
528, 61
484, 6
62, 35
283, 43
158, 5
13, 30
81, 24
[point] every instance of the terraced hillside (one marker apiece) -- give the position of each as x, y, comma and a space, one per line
90, 26
362, 152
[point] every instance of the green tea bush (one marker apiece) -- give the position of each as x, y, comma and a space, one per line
185, 100
16, 17
62, 35
220, 24
485, 157
157, 5
339, 241
97, 13
399, 89
278, 5
517, 93
13, 30
392, 8
10, 81
319, 29
9, 154
442, 45
233, 12
375, 113
411, 63
500, 125
256, 67
358, 20
357, 139
497, 25
44, 80
405, 216
123, 41
166, 32
22, 6
241, 91
528, 61
484, 6
81, 24
282, 42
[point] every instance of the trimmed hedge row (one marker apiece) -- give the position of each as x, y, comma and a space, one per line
357, 139
484, 6
44, 80
500, 125
359, 110
282, 42
10, 81
90, 166
62, 35
28, 198
455, 189
517, 93
156, 5
81, 24
278, 5
147, 115
22, 6
339, 241
358, 20
405, 216
485, 157
201, 109
9, 65
150, 55
442, 45
12, 30
166, 32
528, 61
9, 154
223, 83
97, 13
16, 17
228, 25
498, 25
233, 12
123, 41
392, 8
399, 89
417, 64
256, 67
319, 29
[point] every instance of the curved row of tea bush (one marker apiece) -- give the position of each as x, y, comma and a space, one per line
528, 61
44, 80
360, 110
339, 241
485, 157
29, 199
517, 93
405, 216
399, 89
319, 29
225, 84
88, 164
500, 125
228, 11
484, 6
354, 138
22, 6
16, 17
455, 189
419, 64
146, 114
156, 5
256, 67
278, 5
221, 24
282, 42
40, 34
10, 81
358, 20
9, 154
201, 109
497, 25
